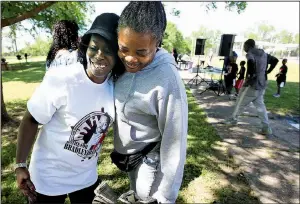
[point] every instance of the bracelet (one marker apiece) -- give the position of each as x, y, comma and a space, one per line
20, 165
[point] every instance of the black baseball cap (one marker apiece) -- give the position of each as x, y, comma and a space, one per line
105, 25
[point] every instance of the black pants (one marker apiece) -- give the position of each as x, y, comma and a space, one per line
229, 84
83, 196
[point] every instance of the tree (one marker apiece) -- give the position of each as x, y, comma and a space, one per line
41, 15
229, 5
39, 48
262, 31
13, 35
173, 38
296, 39
4, 115
285, 37
44, 14
14, 12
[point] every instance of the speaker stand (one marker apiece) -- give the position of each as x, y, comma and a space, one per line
221, 86
197, 77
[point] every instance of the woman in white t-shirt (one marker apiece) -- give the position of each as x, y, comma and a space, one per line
75, 106
63, 50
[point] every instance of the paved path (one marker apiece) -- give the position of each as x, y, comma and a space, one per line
271, 164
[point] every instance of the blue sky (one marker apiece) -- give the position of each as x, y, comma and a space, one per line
282, 15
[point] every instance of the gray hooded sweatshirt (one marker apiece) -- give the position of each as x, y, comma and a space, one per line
257, 77
151, 105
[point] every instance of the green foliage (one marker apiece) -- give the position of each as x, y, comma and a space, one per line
285, 37
261, 31
175, 12
32, 72
288, 103
12, 34
173, 39
77, 11
39, 48
229, 5
239, 6
296, 40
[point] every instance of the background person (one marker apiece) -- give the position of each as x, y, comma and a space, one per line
175, 55
64, 45
230, 73
240, 81
254, 86
281, 77
26, 55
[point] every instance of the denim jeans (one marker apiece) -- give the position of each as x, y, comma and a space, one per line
142, 178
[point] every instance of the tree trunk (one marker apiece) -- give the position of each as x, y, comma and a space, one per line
4, 115
15, 41
26, 15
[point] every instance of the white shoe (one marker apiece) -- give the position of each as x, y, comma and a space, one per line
232, 97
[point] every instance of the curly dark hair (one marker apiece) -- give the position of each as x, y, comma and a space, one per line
117, 70
65, 36
145, 17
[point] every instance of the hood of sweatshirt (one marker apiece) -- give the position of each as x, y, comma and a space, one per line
257, 52
161, 57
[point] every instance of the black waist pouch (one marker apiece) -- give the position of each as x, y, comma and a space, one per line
128, 162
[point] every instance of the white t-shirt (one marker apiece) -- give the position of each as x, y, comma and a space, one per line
75, 113
63, 58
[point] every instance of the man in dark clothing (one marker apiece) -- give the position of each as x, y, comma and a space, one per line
281, 77
175, 55
25, 55
254, 86
231, 69
273, 62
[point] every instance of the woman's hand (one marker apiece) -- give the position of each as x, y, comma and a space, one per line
25, 184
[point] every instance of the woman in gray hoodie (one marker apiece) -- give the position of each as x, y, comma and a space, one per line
151, 106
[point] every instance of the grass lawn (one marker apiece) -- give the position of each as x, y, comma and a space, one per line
209, 174
14, 60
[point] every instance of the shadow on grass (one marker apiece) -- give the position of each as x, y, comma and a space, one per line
229, 195
203, 157
288, 103
9, 131
278, 160
9, 192
32, 72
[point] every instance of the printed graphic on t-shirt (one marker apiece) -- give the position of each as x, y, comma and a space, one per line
88, 134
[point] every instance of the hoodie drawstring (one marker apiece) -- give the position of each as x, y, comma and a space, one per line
128, 94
